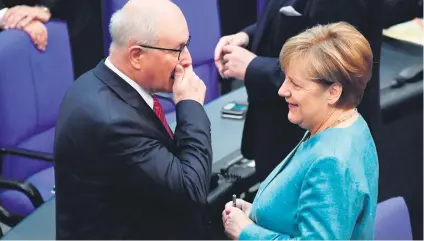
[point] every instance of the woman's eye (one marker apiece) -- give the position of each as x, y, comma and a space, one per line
295, 85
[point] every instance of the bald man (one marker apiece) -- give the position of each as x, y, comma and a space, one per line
121, 173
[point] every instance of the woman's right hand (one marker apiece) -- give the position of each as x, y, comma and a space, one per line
242, 205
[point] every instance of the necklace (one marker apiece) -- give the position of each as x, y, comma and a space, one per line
336, 122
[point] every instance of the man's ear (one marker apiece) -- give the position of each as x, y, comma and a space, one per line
335, 91
136, 55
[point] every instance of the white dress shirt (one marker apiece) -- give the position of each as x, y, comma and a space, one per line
143, 93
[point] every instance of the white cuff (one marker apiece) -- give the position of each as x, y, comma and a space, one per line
2, 13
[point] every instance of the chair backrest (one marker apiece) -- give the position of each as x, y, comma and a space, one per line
108, 8
260, 7
32, 85
392, 220
203, 21
201, 15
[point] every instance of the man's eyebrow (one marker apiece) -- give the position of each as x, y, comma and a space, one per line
184, 42
181, 44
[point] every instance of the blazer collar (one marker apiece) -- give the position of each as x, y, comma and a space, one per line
281, 166
125, 91
128, 94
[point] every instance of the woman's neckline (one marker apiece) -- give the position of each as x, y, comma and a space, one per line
331, 129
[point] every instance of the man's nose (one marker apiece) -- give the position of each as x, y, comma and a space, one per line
185, 58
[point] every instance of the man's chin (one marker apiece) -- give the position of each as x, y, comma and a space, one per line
171, 85
164, 89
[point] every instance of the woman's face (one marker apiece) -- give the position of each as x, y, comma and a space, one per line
309, 101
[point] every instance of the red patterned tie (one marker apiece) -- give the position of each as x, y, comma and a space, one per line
157, 108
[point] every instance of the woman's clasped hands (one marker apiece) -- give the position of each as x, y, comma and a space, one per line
236, 218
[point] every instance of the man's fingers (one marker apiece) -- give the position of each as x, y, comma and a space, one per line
43, 40
221, 73
13, 16
10, 12
179, 76
223, 64
227, 73
38, 35
25, 21
226, 58
188, 72
17, 19
218, 49
10, 20
228, 49
223, 70
227, 66
218, 64
32, 34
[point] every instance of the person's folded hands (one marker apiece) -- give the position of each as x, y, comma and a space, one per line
235, 61
20, 16
38, 34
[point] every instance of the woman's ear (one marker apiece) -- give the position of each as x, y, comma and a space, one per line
335, 91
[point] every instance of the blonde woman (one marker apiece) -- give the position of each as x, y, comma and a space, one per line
326, 188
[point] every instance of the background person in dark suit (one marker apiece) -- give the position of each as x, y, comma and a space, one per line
84, 19
399, 11
120, 171
252, 56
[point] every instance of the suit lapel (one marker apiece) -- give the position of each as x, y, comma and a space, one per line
272, 11
266, 16
129, 95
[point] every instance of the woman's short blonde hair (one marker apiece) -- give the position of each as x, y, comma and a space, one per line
334, 53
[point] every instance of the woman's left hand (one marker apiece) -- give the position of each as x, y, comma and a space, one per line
234, 221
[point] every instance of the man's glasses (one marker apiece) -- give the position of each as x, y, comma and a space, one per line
179, 51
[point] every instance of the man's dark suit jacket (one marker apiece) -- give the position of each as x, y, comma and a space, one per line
118, 173
268, 135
